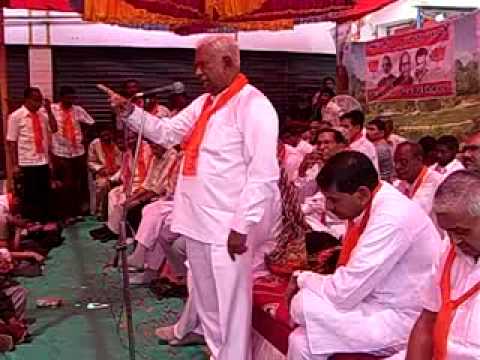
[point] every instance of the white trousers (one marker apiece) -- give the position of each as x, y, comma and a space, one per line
298, 346
155, 236
222, 295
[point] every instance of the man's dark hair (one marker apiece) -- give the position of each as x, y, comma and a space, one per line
356, 117
450, 141
338, 136
421, 52
30, 91
378, 123
346, 172
325, 79
416, 149
327, 91
67, 90
428, 144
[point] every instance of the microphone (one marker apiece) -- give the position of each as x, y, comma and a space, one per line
177, 87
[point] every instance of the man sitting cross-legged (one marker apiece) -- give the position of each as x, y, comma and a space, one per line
370, 302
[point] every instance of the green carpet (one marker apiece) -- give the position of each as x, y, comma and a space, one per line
74, 272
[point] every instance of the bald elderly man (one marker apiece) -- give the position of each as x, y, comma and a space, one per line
448, 327
228, 179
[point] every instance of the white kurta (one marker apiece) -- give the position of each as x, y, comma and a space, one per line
464, 335
154, 233
426, 191
451, 167
366, 147
237, 174
371, 304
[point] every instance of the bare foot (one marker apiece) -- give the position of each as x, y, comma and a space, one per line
165, 333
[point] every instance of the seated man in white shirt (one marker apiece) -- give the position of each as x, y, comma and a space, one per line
329, 141
415, 180
353, 123
370, 303
443, 331
447, 150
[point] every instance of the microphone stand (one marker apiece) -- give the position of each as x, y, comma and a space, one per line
121, 246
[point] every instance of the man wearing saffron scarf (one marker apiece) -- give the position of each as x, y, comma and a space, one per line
228, 177
415, 180
68, 152
117, 196
371, 301
448, 327
104, 160
28, 132
353, 122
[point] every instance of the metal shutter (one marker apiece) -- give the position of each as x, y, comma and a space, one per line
18, 80
279, 75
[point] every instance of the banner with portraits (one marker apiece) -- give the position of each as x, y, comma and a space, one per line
412, 66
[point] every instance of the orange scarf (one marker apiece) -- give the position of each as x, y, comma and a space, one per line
354, 232
418, 182
37, 133
191, 145
109, 155
142, 165
447, 311
68, 126
127, 166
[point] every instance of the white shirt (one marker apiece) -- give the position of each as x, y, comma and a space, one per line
464, 334
366, 147
97, 158
294, 157
451, 167
20, 129
426, 191
61, 146
381, 283
237, 168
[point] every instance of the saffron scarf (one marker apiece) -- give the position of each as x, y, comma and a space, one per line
108, 151
354, 231
68, 126
447, 311
191, 145
418, 182
37, 133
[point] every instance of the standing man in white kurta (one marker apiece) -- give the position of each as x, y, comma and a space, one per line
229, 174
449, 327
370, 303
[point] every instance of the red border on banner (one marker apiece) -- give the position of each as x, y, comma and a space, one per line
413, 40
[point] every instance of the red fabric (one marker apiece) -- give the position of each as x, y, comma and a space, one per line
446, 314
109, 153
270, 311
192, 143
57, 5
37, 133
362, 8
68, 126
